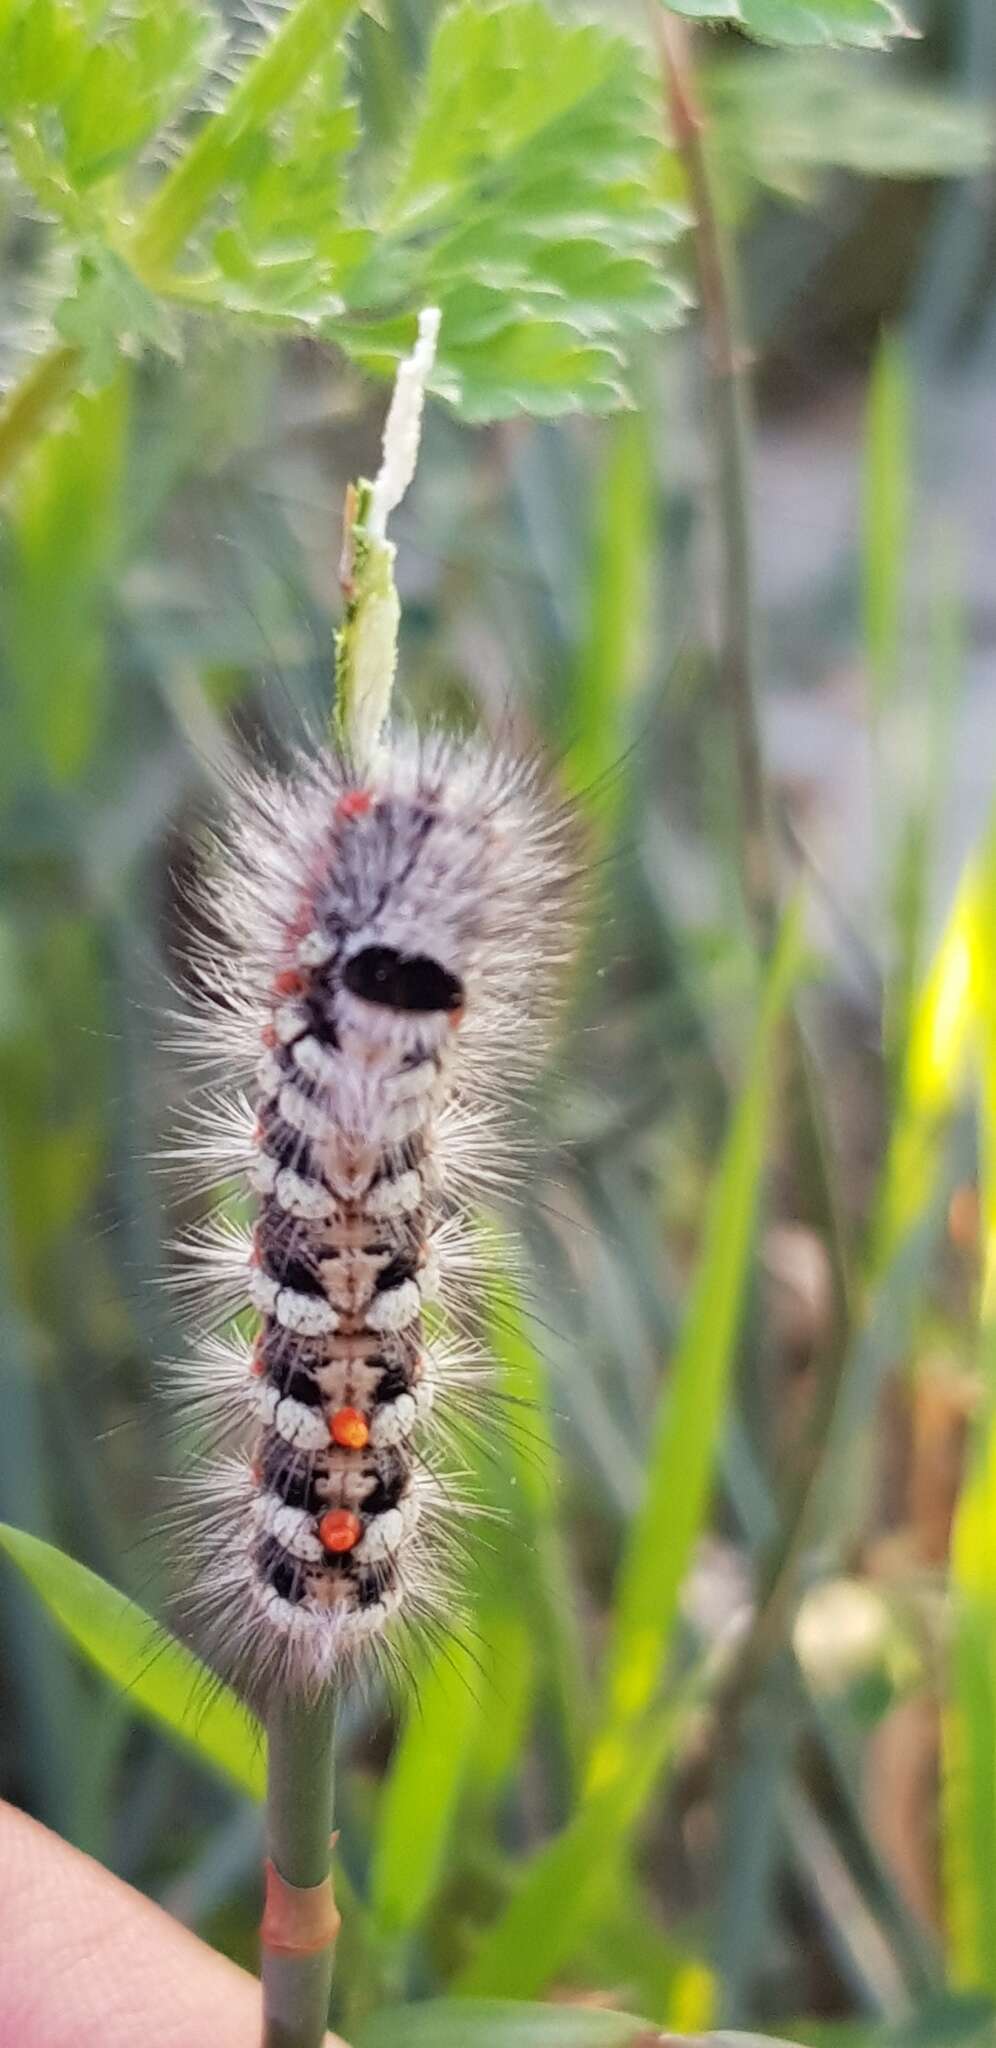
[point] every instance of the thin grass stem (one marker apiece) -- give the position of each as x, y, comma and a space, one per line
740, 668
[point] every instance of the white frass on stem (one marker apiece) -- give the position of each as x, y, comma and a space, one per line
366, 647
403, 426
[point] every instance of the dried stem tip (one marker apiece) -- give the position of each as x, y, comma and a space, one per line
366, 648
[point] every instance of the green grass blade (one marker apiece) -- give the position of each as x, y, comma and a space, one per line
630, 1946
148, 1666
686, 1438
65, 532
547, 1918
916, 847
969, 1803
887, 500
936, 1066
532, 1500
545, 1921
472, 1706
493, 2023
422, 1790
612, 657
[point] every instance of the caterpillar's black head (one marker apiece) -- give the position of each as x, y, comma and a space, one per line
412, 982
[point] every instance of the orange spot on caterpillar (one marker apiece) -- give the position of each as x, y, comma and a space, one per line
289, 982
339, 1529
255, 1256
349, 1429
256, 1468
257, 1363
268, 1036
456, 1017
354, 804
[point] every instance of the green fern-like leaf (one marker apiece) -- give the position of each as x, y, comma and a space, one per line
87, 88
528, 203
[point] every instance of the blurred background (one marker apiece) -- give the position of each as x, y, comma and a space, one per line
814, 1852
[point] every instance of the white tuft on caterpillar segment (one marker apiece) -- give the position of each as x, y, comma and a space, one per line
388, 955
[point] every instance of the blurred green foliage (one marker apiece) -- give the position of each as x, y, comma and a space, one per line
603, 1794
868, 23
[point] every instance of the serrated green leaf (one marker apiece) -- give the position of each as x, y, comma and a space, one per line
40, 54
868, 24
541, 366
286, 244
527, 199
94, 91
501, 81
490, 364
112, 313
527, 204
497, 2023
214, 166
150, 1668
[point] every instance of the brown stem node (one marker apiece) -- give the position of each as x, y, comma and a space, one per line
298, 1920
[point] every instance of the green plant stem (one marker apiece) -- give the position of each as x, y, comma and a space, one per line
739, 663
299, 1808
727, 357
182, 200
32, 402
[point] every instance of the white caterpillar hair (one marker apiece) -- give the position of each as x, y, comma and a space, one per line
389, 954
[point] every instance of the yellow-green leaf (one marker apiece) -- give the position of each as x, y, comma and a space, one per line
148, 1666
422, 1788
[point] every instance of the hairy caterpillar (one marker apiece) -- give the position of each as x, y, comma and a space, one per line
390, 947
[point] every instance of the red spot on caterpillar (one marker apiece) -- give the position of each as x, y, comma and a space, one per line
268, 1036
255, 1256
289, 982
456, 1017
354, 804
256, 1468
349, 1429
339, 1529
257, 1363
